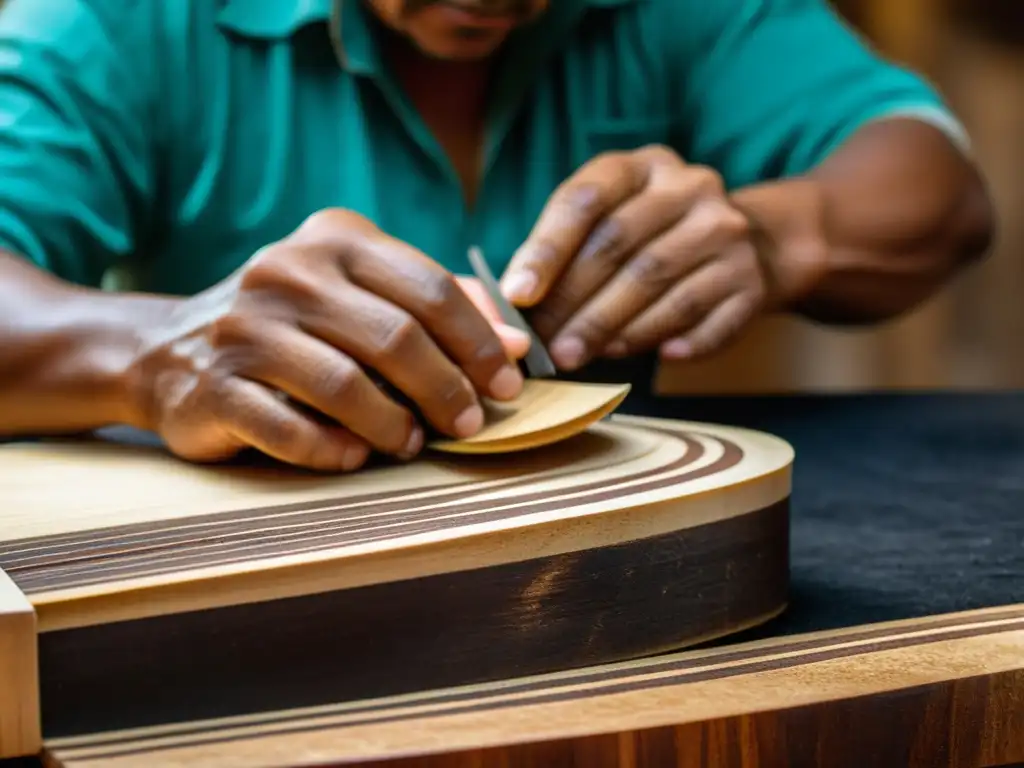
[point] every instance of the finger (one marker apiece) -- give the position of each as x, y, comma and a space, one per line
418, 286
679, 310
477, 294
516, 342
257, 417
710, 228
567, 220
384, 337
641, 219
318, 375
719, 328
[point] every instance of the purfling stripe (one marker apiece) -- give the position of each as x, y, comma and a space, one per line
33, 581
160, 534
928, 628
546, 695
36, 580
328, 508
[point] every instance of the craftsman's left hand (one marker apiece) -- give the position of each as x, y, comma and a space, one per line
640, 251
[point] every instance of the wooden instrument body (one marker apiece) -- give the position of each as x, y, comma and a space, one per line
163, 592
937, 692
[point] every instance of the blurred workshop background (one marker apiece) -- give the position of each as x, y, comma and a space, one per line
972, 335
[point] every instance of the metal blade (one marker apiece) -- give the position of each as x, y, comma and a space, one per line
538, 362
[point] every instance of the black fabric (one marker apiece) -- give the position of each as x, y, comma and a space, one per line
904, 505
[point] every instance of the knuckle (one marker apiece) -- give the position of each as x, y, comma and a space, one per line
670, 195
733, 222
611, 157
398, 337
266, 267
652, 268
337, 383
287, 434
565, 297
582, 199
337, 230
593, 328
281, 272
235, 346
232, 329
453, 394
609, 241
707, 180
669, 200
490, 352
291, 438
329, 222
542, 255
439, 294
660, 154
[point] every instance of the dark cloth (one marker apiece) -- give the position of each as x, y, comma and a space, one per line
904, 505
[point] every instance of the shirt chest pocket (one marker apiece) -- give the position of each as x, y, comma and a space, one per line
622, 135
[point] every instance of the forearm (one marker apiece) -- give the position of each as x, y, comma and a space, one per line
902, 210
66, 351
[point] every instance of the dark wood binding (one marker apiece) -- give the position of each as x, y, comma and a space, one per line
550, 613
935, 692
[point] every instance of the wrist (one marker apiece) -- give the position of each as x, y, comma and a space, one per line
123, 327
788, 229
96, 341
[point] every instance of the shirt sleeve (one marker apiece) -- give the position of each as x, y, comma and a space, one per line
768, 88
76, 141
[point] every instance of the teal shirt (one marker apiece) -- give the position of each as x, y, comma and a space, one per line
168, 140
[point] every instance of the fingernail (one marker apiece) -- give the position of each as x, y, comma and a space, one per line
520, 286
515, 335
506, 383
616, 349
676, 349
568, 353
354, 456
413, 444
469, 421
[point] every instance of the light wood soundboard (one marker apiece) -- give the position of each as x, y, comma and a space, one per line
142, 591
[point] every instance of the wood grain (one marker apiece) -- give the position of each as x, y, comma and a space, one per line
266, 587
939, 691
19, 688
547, 412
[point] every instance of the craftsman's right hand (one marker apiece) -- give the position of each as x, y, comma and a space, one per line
306, 318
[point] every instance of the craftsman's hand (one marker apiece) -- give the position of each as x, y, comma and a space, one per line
640, 251
296, 335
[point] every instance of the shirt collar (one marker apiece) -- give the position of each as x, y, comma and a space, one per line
271, 19
350, 23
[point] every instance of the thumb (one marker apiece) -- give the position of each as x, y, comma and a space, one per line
515, 341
